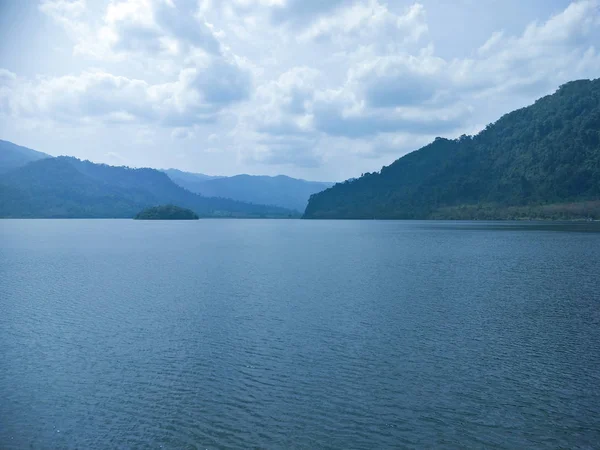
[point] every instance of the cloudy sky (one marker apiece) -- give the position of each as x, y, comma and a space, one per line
318, 89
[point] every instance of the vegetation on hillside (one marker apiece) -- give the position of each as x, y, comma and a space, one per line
68, 187
166, 212
542, 161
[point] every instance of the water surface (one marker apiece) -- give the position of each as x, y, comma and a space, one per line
299, 334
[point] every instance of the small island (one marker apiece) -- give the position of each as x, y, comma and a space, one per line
166, 212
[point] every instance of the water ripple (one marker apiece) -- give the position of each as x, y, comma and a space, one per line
273, 334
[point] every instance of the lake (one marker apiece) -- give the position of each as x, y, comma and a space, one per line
299, 334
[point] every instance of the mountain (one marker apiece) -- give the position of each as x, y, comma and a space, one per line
13, 156
69, 187
281, 190
179, 176
542, 161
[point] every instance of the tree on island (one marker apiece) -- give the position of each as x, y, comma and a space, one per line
166, 212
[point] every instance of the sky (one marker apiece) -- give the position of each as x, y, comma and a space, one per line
321, 90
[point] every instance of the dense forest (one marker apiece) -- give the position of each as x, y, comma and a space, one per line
542, 161
166, 212
66, 187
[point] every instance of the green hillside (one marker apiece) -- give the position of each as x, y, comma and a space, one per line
69, 187
542, 161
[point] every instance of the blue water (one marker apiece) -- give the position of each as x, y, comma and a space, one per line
298, 334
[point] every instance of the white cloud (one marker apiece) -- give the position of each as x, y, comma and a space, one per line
182, 133
283, 102
157, 26
544, 56
301, 151
370, 23
295, 83
301, 12
65, 11
95, 97
339, 115
202, 79
390, 95
7, 81
494, 39
6, 76
399, 80
276, 128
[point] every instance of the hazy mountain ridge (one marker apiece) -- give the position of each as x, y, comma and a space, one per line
539, 161
181, 175
280, 190
13, 156
69, 187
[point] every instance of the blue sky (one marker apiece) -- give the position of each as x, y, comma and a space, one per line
309, 88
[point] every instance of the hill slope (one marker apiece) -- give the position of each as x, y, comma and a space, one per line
180, 177
539, 161
69, 187
282, 191
13, 156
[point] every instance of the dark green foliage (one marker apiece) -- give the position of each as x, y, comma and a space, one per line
166, 212
68, 187
534, 162
13, 156
280, 191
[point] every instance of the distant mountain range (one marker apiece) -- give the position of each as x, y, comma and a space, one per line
542, 161
283, 191
35, 184
179, 176
64, 187
13, 156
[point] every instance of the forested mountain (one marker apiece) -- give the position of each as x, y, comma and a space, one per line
69, 187
542, 161
138, 185
13, 156
283, 191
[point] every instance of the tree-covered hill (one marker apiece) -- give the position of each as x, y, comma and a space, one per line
29, 193
166, 212
542, 161
69, 187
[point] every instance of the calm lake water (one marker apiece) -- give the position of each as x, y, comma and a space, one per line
117, 334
